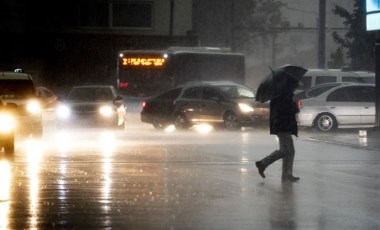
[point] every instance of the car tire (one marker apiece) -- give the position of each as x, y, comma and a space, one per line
231, 121
325, 122
158, 125
180, 121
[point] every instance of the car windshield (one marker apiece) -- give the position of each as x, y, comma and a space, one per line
90, 94
16, 89
233, 91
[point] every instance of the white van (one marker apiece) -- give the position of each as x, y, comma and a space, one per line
315, 77
19, 88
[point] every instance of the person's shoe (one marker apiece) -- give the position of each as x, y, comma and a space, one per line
261, 168
290, 178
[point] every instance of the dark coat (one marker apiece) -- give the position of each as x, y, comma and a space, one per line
283, 112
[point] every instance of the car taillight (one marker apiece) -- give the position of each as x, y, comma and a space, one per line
123, 84
299, 104
144, 104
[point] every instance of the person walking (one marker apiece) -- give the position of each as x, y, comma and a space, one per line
283, 123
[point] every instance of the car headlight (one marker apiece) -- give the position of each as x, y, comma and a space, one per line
106, 110
245, 108
33, 107
63, 112
7, 122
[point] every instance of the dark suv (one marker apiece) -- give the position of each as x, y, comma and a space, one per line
219, 103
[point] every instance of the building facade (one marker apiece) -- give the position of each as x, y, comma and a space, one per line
297, 43
77, 42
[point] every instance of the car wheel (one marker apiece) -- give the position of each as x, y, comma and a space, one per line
180, 121
158, 125
231, 121
325, 122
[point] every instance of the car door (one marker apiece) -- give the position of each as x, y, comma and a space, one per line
367, 97
190, 103
343, 103
163, 106
211, 108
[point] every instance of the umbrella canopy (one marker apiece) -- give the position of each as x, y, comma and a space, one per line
276, 81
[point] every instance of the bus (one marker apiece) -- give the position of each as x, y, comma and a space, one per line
149, 72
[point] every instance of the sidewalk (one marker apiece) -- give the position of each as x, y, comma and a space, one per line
351, 137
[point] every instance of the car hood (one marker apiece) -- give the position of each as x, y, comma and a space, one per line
86, 106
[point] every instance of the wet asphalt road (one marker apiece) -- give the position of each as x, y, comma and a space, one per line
91, 178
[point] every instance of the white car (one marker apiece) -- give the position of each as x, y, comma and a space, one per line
92, 105
345, 106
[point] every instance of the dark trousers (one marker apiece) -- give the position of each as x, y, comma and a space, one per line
286, 153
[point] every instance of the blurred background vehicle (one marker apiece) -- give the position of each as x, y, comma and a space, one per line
19, 88
47, 98
92, 105
314, 77
48, 101
345, 106
149, 72
219, 103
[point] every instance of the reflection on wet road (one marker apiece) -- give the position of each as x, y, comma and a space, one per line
148, 179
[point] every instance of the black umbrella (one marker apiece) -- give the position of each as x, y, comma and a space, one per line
275, 82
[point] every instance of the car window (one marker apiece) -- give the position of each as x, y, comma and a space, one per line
103, 94
90, 94
171, 94
45, 93
243, 93
352, 79
370, 80
233, 91
319, 90
16, 89
193, 93
324, 79
210, 94
346, 94
366, 94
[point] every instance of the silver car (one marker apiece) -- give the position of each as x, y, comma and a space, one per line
345, 106
92, 105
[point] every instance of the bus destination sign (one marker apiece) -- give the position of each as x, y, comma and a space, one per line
143, 61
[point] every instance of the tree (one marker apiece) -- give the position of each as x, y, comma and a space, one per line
337, 60
261, 18
358, 42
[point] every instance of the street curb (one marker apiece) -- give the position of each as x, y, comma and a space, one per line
344, 144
